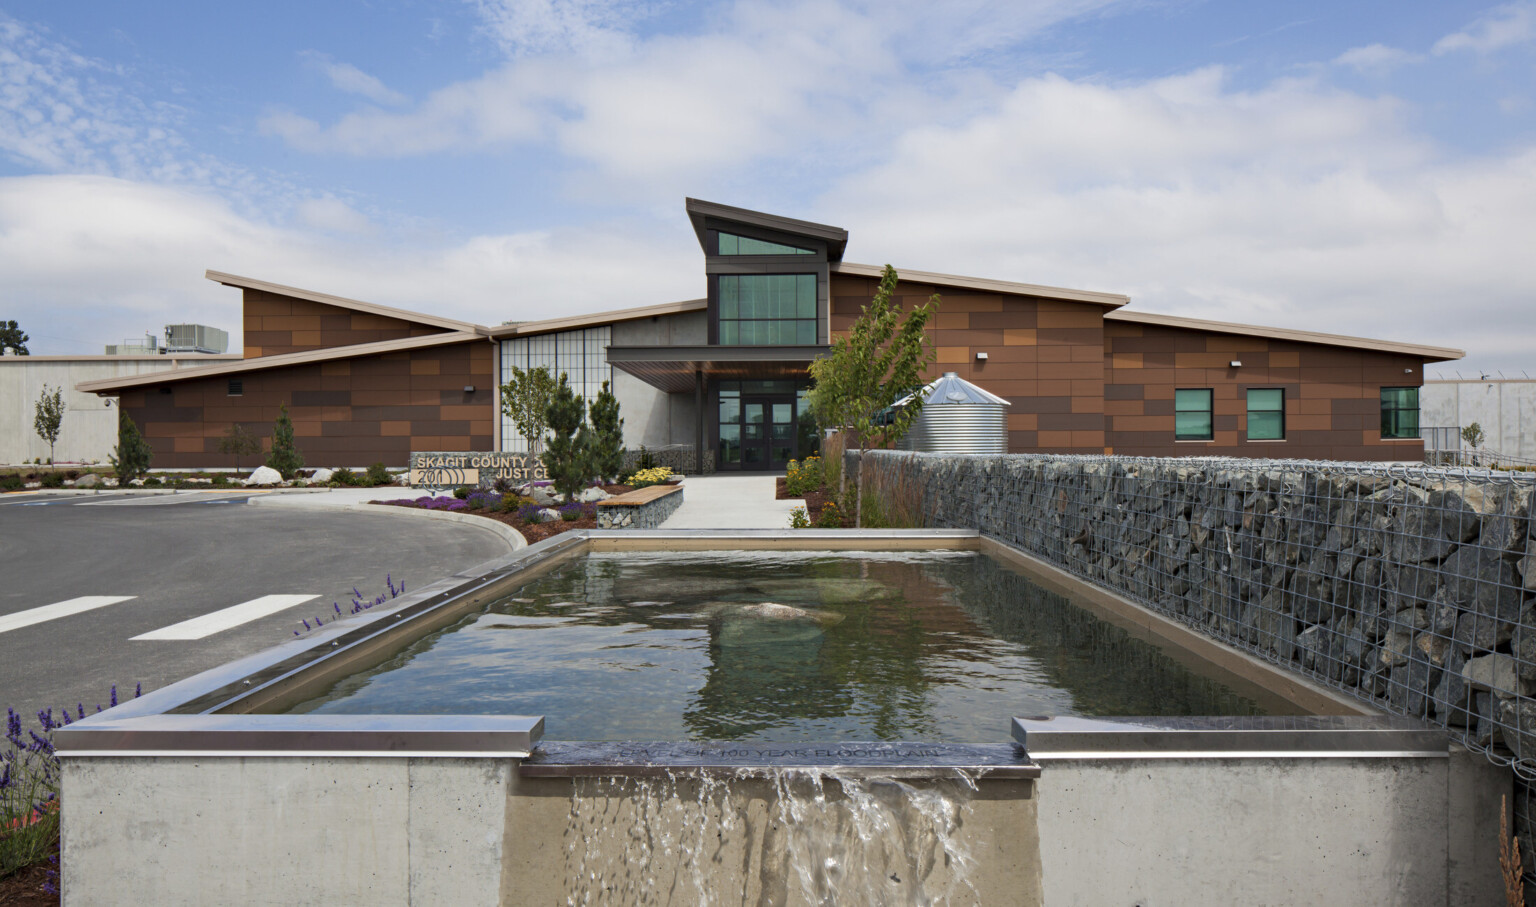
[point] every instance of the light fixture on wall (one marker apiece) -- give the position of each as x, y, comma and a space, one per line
981, 357
469, 388
1236, 363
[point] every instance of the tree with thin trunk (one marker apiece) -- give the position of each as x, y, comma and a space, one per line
239, 443
567, 458
525, 400
284, 456
49, 417
881, 359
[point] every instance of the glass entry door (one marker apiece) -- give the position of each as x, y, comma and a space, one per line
767, 431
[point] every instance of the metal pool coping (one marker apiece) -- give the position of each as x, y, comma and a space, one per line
1239, 737
218, 713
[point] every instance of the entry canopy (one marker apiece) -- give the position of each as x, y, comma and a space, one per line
672, 368
952, 390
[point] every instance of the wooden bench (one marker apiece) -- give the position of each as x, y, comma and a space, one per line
643, 508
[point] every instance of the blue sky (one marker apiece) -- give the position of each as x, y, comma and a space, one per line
1361, 167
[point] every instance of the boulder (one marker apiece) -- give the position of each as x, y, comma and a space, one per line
109, 482
264, 475
1495, 673
321, 476
89, 480
549, 513
592, 495
543, 494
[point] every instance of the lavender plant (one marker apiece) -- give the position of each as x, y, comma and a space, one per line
29, 786
357, 605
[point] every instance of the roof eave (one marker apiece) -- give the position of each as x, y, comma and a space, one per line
571, 322
251, 283
1009, 287
836, 238
1421, 351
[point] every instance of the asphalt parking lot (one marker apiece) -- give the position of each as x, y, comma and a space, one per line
125, 589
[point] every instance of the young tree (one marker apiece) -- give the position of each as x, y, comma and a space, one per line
881, 359
607, 439
566, 457
240, 443
284, 456
132, 457
524, 400
12, 339
50, 415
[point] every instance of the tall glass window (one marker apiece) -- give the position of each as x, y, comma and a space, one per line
731, 244
581, 355
1399, 412
1192, 414
767, 309
1266, 414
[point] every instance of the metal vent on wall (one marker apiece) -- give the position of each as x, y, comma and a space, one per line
236, 387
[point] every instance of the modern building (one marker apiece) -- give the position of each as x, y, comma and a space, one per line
723, 378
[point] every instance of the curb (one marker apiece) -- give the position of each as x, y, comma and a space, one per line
512, 537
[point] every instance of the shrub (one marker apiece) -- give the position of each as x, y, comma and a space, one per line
132, 457
53, 480
153, 482
220, 480
570, 513
285, 456
11, 482
648, 477
237, 442
646, 460
798, 519
830, 517
502, 485
343, 476
378, 474
531, 513
462, 492
483, 500
510, 503
606, 443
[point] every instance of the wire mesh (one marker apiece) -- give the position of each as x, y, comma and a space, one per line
1410, 587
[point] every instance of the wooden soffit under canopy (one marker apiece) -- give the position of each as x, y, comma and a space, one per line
672, 368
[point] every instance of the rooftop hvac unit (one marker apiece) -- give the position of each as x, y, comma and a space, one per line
134, 346
195, 338
957, 417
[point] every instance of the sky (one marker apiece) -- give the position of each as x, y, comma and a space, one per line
1354, 166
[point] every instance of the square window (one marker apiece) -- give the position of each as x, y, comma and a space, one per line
1266, 414
1192, 414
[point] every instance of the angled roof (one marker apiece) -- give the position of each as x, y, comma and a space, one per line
1113, 300
572, 322
251, 283
1427, 353
836, 238
262, 363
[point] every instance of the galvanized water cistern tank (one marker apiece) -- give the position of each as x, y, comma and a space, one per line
957, 417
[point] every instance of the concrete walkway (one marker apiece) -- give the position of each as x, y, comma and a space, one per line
723, 501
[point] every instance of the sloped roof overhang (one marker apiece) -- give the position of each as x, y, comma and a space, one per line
356, 305
673, 368
575, 322
1427, 353
282, 360
699, 210
984, 285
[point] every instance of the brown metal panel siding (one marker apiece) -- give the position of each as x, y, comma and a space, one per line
339, 419
1332, 394
275, 324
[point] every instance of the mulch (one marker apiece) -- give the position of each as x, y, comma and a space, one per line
25, 887
538, 532
814, 501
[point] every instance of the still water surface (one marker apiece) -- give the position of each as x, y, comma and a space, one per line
782, 647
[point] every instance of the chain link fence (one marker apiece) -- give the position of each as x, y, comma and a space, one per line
1412, 588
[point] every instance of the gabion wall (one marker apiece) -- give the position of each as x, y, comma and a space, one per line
680, 457
1412, 588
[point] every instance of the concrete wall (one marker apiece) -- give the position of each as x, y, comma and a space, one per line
654, 417
1270, 831
1505, 408
268, 830
89, 431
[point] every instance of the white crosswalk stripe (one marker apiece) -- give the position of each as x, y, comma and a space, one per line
58, 609
227, 618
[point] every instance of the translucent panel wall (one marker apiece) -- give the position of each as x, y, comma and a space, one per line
581, 355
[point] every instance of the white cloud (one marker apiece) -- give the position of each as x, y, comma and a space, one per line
348, 78
89, 260
586, 27
1375, 59
332, 215
1514, 23
1297, 205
